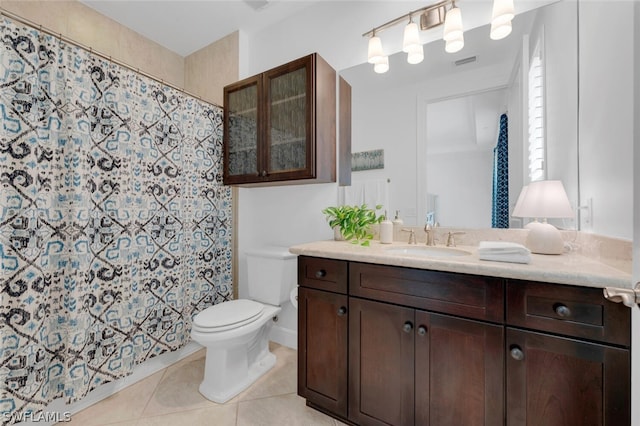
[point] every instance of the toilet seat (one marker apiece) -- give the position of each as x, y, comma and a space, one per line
228, 315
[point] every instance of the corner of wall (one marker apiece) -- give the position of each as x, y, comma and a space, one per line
211, 68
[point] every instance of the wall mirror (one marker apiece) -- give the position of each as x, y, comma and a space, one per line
437, 121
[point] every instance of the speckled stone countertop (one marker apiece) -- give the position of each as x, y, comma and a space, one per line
571, 268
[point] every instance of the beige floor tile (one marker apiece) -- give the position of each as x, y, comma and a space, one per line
281, 411
221, 415
178, 389
126, 405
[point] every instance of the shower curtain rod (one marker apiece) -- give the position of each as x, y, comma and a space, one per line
39, 27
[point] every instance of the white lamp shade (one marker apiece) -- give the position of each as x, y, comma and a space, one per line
500, 31
545, 199
502, 12
453, 46
375, 53
411, 37
517, 209
382, 66
452, 25
415, 55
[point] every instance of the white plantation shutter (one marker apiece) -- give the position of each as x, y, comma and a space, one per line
536, 117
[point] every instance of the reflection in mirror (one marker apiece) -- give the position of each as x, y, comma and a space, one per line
461, 136
398, 112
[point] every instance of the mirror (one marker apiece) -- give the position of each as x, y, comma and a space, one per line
432, 118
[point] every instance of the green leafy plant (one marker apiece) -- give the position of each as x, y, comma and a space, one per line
354, 222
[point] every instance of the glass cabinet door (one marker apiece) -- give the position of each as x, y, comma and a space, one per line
288, 119
242, 129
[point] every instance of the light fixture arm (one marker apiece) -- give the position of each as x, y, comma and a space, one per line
403, 18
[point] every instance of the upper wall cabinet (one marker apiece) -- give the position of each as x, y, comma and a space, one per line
280, 126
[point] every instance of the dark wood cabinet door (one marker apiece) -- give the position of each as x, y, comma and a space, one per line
560, 381
322, 349
242, 131
381, 370
289, 100
280, 125
459, 372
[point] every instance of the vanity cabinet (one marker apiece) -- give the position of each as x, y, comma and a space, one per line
568, 359
323, 334
280, 125
389, 345
415, 366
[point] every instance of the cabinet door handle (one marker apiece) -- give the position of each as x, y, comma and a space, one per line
422, 330
407, 327
516, 353
263, 173
321, 273
562, 310
342, 310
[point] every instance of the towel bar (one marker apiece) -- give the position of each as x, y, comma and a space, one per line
629, 297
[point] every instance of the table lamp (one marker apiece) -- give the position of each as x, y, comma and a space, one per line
545, 199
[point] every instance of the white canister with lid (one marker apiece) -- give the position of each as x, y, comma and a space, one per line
386, 231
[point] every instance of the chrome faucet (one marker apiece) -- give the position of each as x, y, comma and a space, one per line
412, 235
451, 238
430, 231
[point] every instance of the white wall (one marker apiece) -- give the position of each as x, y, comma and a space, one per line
556, 22
606, 115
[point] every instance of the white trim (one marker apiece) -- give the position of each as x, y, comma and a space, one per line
284, 336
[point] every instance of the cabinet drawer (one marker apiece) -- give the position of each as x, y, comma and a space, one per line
569, 310
323, 274
469, 296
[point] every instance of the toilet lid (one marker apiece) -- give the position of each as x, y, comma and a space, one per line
227, 315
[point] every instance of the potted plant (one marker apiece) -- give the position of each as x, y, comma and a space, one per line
353, 222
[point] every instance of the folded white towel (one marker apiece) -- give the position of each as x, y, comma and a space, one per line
503, 251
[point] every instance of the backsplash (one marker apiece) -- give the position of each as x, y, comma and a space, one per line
614, 252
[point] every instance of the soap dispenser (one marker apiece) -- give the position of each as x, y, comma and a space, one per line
397, 222
386, 230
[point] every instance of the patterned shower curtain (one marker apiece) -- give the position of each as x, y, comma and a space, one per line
500, 201
114, 225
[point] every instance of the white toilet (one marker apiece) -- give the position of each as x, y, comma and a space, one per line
236, 333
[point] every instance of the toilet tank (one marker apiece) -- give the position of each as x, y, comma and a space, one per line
271, 274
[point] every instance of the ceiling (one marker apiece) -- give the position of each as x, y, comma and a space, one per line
185, 26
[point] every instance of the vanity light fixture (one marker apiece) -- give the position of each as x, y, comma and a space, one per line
501, 17
444, 12
375, 53
453, 34
411, 43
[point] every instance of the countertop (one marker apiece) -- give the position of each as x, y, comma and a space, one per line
569, 268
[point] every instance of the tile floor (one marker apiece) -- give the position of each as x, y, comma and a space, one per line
171, 397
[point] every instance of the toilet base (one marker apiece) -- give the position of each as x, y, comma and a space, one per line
236, 358
258, 369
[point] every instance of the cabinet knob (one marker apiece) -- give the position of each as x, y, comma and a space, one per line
562, 310
516, 353
422, 330
263, 173
342, 310
407, 327
321, 273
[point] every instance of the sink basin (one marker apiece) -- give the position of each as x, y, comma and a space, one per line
428, 251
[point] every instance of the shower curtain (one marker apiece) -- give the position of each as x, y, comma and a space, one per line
500, 201
115, 228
